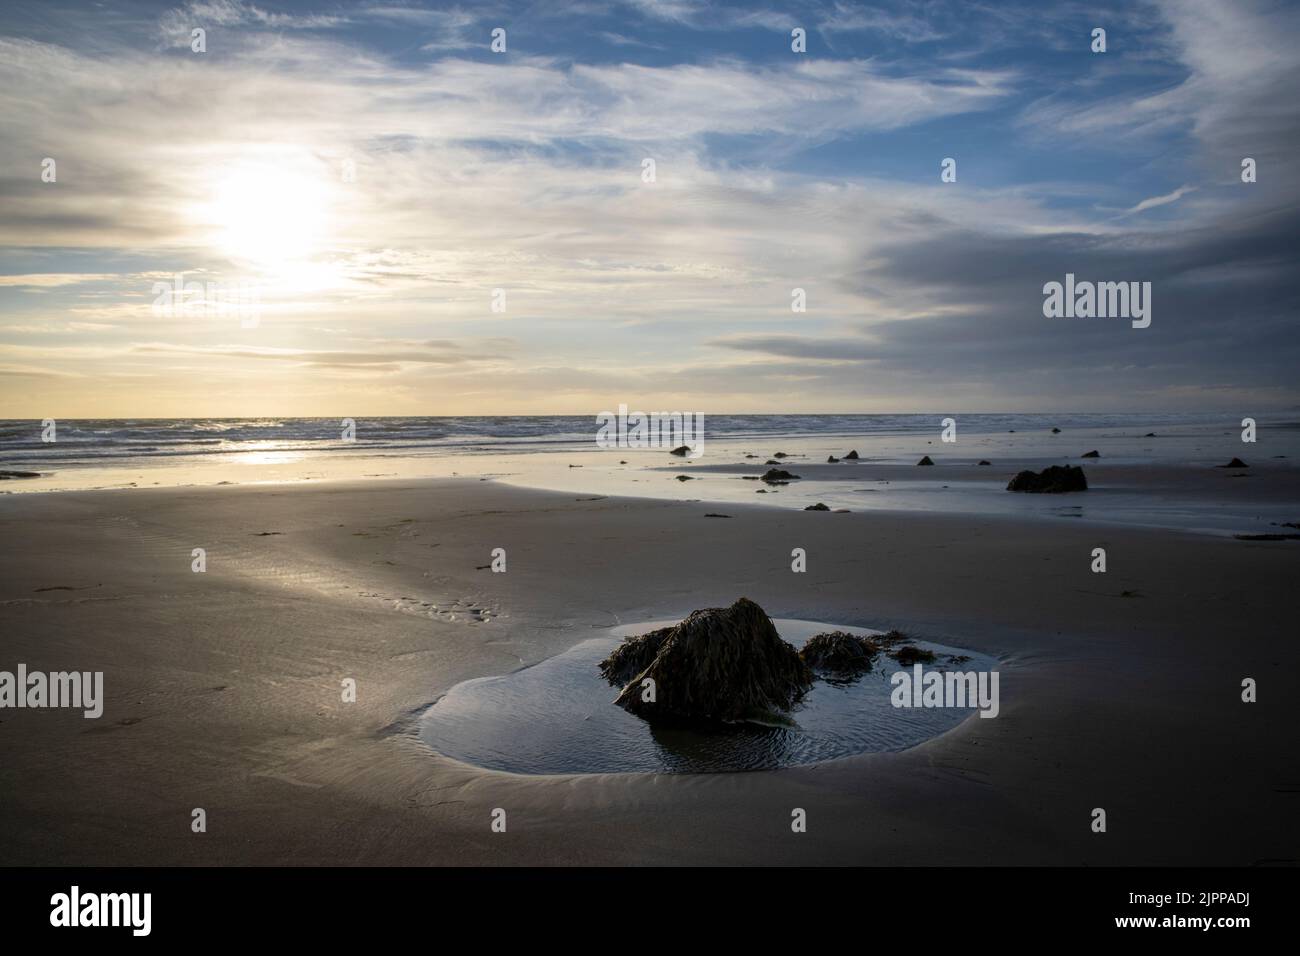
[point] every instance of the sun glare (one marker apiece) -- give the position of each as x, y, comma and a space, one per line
269, 216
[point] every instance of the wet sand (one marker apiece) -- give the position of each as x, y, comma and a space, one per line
223, 688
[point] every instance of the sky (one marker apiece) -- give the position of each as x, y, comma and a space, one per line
377, 213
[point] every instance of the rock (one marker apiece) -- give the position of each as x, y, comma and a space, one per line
685, 478
852, 456
681, 451
780, 454
1056, 431
1091, 454
771, 461
982, 462
839, 654
1054, 480
817, 507
925, 461
5, 475
774, 475
719, 664
1149, 435
832, 460
1235, 463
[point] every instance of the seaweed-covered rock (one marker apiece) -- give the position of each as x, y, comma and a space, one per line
1057, 479
839, 654
719, 664
633, 656
911, 654
925, 461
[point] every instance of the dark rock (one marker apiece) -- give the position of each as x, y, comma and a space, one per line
1235, 463
925, 461
780, 454
719, 664
685, 477
681, 451
774, 475
852, 456
1091, 454
1054, 480
839, 654
1266, 537
1149, 435
982, 462
771, 461
4, 475
1056, 431
817, 507
832, 460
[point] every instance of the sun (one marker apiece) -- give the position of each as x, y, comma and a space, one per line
268, 215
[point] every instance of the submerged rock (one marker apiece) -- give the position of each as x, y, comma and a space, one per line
1054, 480
719, 664
925, 461
839, 654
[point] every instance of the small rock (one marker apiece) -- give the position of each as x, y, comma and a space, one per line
1091, 454
925, 461
817, 507
774, 475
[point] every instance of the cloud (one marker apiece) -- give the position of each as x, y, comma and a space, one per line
1156, 201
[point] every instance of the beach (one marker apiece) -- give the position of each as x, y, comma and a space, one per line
1119, 690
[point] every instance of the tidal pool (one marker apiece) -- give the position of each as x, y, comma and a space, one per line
558, 716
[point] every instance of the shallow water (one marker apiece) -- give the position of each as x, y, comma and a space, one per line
559, 717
